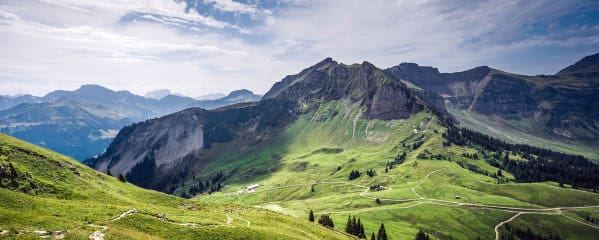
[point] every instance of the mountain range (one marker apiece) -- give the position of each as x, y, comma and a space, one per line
388, 145
81, 123
560, 107
545, 110
363, 151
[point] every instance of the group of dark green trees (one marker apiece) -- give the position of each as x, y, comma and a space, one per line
354, 174
371, 173
541, 165
399, 159
355, 227
213, 184
511, 233
120, 176
324, 220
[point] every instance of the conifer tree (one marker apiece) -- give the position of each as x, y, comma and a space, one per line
311, 217
348, 225
122, 178
382, 233
422, 236
372, 237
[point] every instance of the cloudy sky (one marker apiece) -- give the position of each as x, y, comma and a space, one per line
196, 47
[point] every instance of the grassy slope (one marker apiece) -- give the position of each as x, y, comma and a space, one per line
518, 131
66, 195
290, 165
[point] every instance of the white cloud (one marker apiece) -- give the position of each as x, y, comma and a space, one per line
161, 7
232, 6
61, 44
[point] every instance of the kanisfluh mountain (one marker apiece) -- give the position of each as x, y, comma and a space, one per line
81, 123
356, 140
160, 153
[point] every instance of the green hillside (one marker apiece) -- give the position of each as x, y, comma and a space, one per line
45, 194
449, 191
525, 131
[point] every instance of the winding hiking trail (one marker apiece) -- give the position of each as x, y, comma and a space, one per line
504, 222
99, 234
424, 180
424, 200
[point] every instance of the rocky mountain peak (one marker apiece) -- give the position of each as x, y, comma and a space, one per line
383, 96
588, 66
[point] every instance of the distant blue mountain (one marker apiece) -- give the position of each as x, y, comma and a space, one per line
81, 123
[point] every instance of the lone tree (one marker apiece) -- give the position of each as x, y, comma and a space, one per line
108, 172
122, 178
382, 233
422, 236
311, 216
372, 237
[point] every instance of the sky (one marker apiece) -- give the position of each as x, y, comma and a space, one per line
197, 47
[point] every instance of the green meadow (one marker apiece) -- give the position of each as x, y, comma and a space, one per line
47, 192
307, 168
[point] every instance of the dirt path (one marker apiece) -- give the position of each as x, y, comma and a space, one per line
504, 222
229, 220
424, 200
124, 214
581, 222
424, 180
242, 219
99, 234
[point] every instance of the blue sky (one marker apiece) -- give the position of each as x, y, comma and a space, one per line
206, 46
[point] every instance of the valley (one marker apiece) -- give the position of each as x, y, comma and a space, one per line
418, 194
348, 141
299, 119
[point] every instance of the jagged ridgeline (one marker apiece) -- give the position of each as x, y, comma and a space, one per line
337, 140
550, 111
162, 153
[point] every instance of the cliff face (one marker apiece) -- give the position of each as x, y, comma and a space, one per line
563, 105
159, 153
506, 96
383, 96
459, 84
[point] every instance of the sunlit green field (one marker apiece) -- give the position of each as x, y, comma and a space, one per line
307, 168
55, 193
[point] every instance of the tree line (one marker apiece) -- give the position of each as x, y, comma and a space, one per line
355, 227
540, 165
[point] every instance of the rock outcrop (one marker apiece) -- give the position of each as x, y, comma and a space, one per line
159, 153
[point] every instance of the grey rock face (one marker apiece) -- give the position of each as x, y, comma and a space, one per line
156, 152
